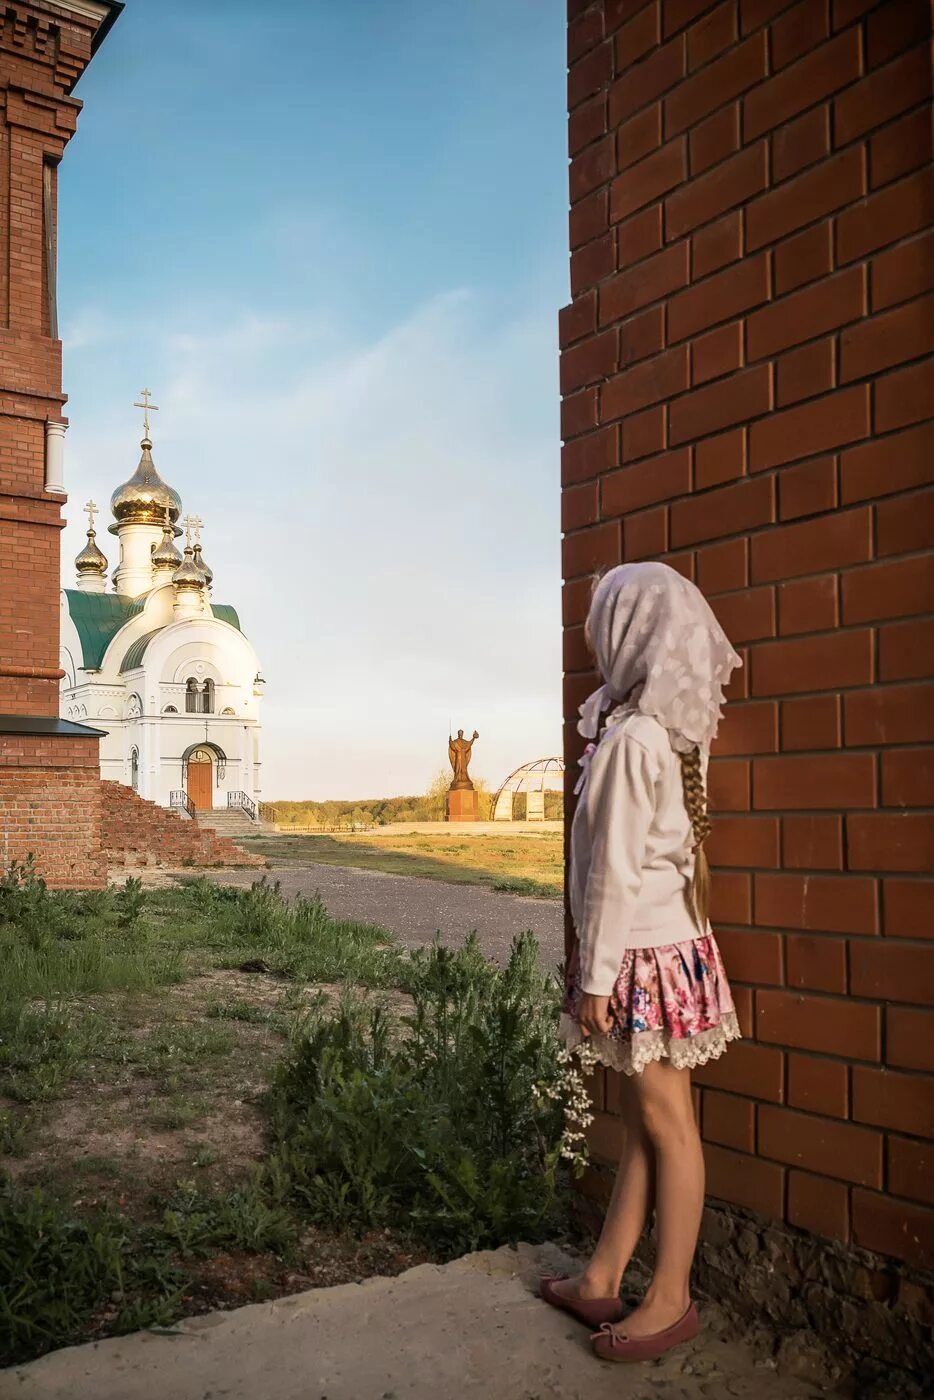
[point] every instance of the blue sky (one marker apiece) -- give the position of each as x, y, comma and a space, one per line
332, 240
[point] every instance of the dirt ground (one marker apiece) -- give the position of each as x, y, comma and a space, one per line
175, 1098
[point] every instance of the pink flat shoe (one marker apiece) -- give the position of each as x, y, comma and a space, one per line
592, 1312
616, 1346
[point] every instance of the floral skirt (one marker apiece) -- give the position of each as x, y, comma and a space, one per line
672, 1002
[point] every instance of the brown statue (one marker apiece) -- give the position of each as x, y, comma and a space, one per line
459, 751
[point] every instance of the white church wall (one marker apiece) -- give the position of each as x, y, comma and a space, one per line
70, 654
143, 712
67, 663
208, 648
134, 572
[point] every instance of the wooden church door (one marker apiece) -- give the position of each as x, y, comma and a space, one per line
200, 780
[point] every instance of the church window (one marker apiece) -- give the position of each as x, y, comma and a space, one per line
134, 769
170, 710
199, 699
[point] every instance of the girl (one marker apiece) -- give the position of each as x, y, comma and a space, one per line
647, 989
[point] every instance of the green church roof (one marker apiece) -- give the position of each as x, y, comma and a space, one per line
226, 613
134, 656
98, 618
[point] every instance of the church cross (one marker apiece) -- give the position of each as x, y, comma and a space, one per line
146, 405
193, 522
92, 510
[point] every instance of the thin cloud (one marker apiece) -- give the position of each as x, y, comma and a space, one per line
383, 515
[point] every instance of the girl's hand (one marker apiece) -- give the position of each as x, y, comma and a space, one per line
593, 1014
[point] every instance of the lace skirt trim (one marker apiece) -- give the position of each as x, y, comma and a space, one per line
641, 1048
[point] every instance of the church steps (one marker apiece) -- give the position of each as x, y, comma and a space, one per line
137, 832
228, 821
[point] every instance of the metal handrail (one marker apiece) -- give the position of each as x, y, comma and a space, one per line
178, 798
244, 802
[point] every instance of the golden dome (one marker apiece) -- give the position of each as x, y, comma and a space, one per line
165, 555
91, 560
145, 498
203, 565
188, 574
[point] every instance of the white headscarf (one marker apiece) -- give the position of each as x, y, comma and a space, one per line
658, 644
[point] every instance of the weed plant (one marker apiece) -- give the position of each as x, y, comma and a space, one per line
443, 1130
65, 1274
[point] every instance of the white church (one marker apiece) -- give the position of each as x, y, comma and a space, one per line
157, 664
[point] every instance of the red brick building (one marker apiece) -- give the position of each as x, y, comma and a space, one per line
49, 775
747, 393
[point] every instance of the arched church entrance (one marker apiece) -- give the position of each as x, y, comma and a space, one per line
200, 780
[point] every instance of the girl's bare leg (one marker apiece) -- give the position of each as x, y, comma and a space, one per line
667, 1111
627, 1213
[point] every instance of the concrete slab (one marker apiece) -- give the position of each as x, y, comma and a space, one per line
467, 1330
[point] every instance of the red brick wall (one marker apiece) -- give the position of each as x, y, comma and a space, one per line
49, 788
50, 807
41, 54
747, 393
136, 832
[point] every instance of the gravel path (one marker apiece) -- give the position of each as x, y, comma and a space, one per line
415, 910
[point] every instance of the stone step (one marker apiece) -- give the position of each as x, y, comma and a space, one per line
228, 822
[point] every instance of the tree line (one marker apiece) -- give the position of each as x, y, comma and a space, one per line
360, 813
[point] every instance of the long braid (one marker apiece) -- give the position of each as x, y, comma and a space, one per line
695, 800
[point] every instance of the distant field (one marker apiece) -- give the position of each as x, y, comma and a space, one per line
521, 864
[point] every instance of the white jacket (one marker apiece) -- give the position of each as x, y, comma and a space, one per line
632, 861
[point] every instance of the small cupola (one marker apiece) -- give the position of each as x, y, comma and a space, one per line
188, 580
203, 565
91, 564
166, 557
194, 525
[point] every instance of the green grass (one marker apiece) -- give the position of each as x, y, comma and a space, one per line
112, 1011
522, 884
42, 1046
240, 1011
178, 1111
196, 1074
299, 941
17, 1133
520, 864
169, 1048
65, 957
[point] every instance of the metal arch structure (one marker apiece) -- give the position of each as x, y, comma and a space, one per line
541, 776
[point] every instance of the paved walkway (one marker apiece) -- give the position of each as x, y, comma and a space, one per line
415, 909
471, 1330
